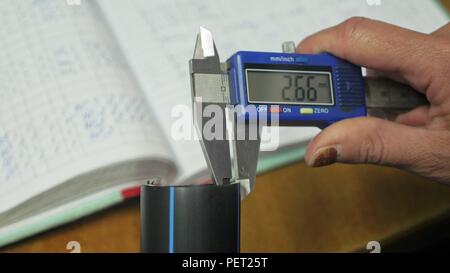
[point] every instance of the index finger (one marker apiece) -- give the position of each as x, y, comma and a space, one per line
376, 45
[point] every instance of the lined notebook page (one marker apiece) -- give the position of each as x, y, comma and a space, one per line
157, 37
68, 104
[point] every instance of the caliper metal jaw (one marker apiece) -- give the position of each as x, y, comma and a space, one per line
229, 159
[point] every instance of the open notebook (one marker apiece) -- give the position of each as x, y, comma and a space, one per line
86, 93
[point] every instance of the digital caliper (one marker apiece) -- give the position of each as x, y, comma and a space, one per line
250, 91
303, 90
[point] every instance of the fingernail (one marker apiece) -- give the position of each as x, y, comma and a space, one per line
324, 156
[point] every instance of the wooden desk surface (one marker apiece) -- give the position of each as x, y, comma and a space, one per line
293, 209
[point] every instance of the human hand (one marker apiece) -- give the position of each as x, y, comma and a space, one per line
417, 141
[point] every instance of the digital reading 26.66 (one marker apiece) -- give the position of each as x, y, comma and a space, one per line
289, 87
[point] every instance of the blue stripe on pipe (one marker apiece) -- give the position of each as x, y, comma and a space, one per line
171, 217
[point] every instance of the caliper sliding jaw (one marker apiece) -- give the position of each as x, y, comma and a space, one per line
230, 158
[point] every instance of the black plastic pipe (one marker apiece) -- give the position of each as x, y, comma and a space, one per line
190, 219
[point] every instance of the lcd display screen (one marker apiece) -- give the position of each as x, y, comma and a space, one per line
289, 87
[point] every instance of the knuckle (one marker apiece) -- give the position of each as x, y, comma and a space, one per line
372, 149
350, 30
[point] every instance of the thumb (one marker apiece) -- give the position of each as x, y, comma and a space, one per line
368, 140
